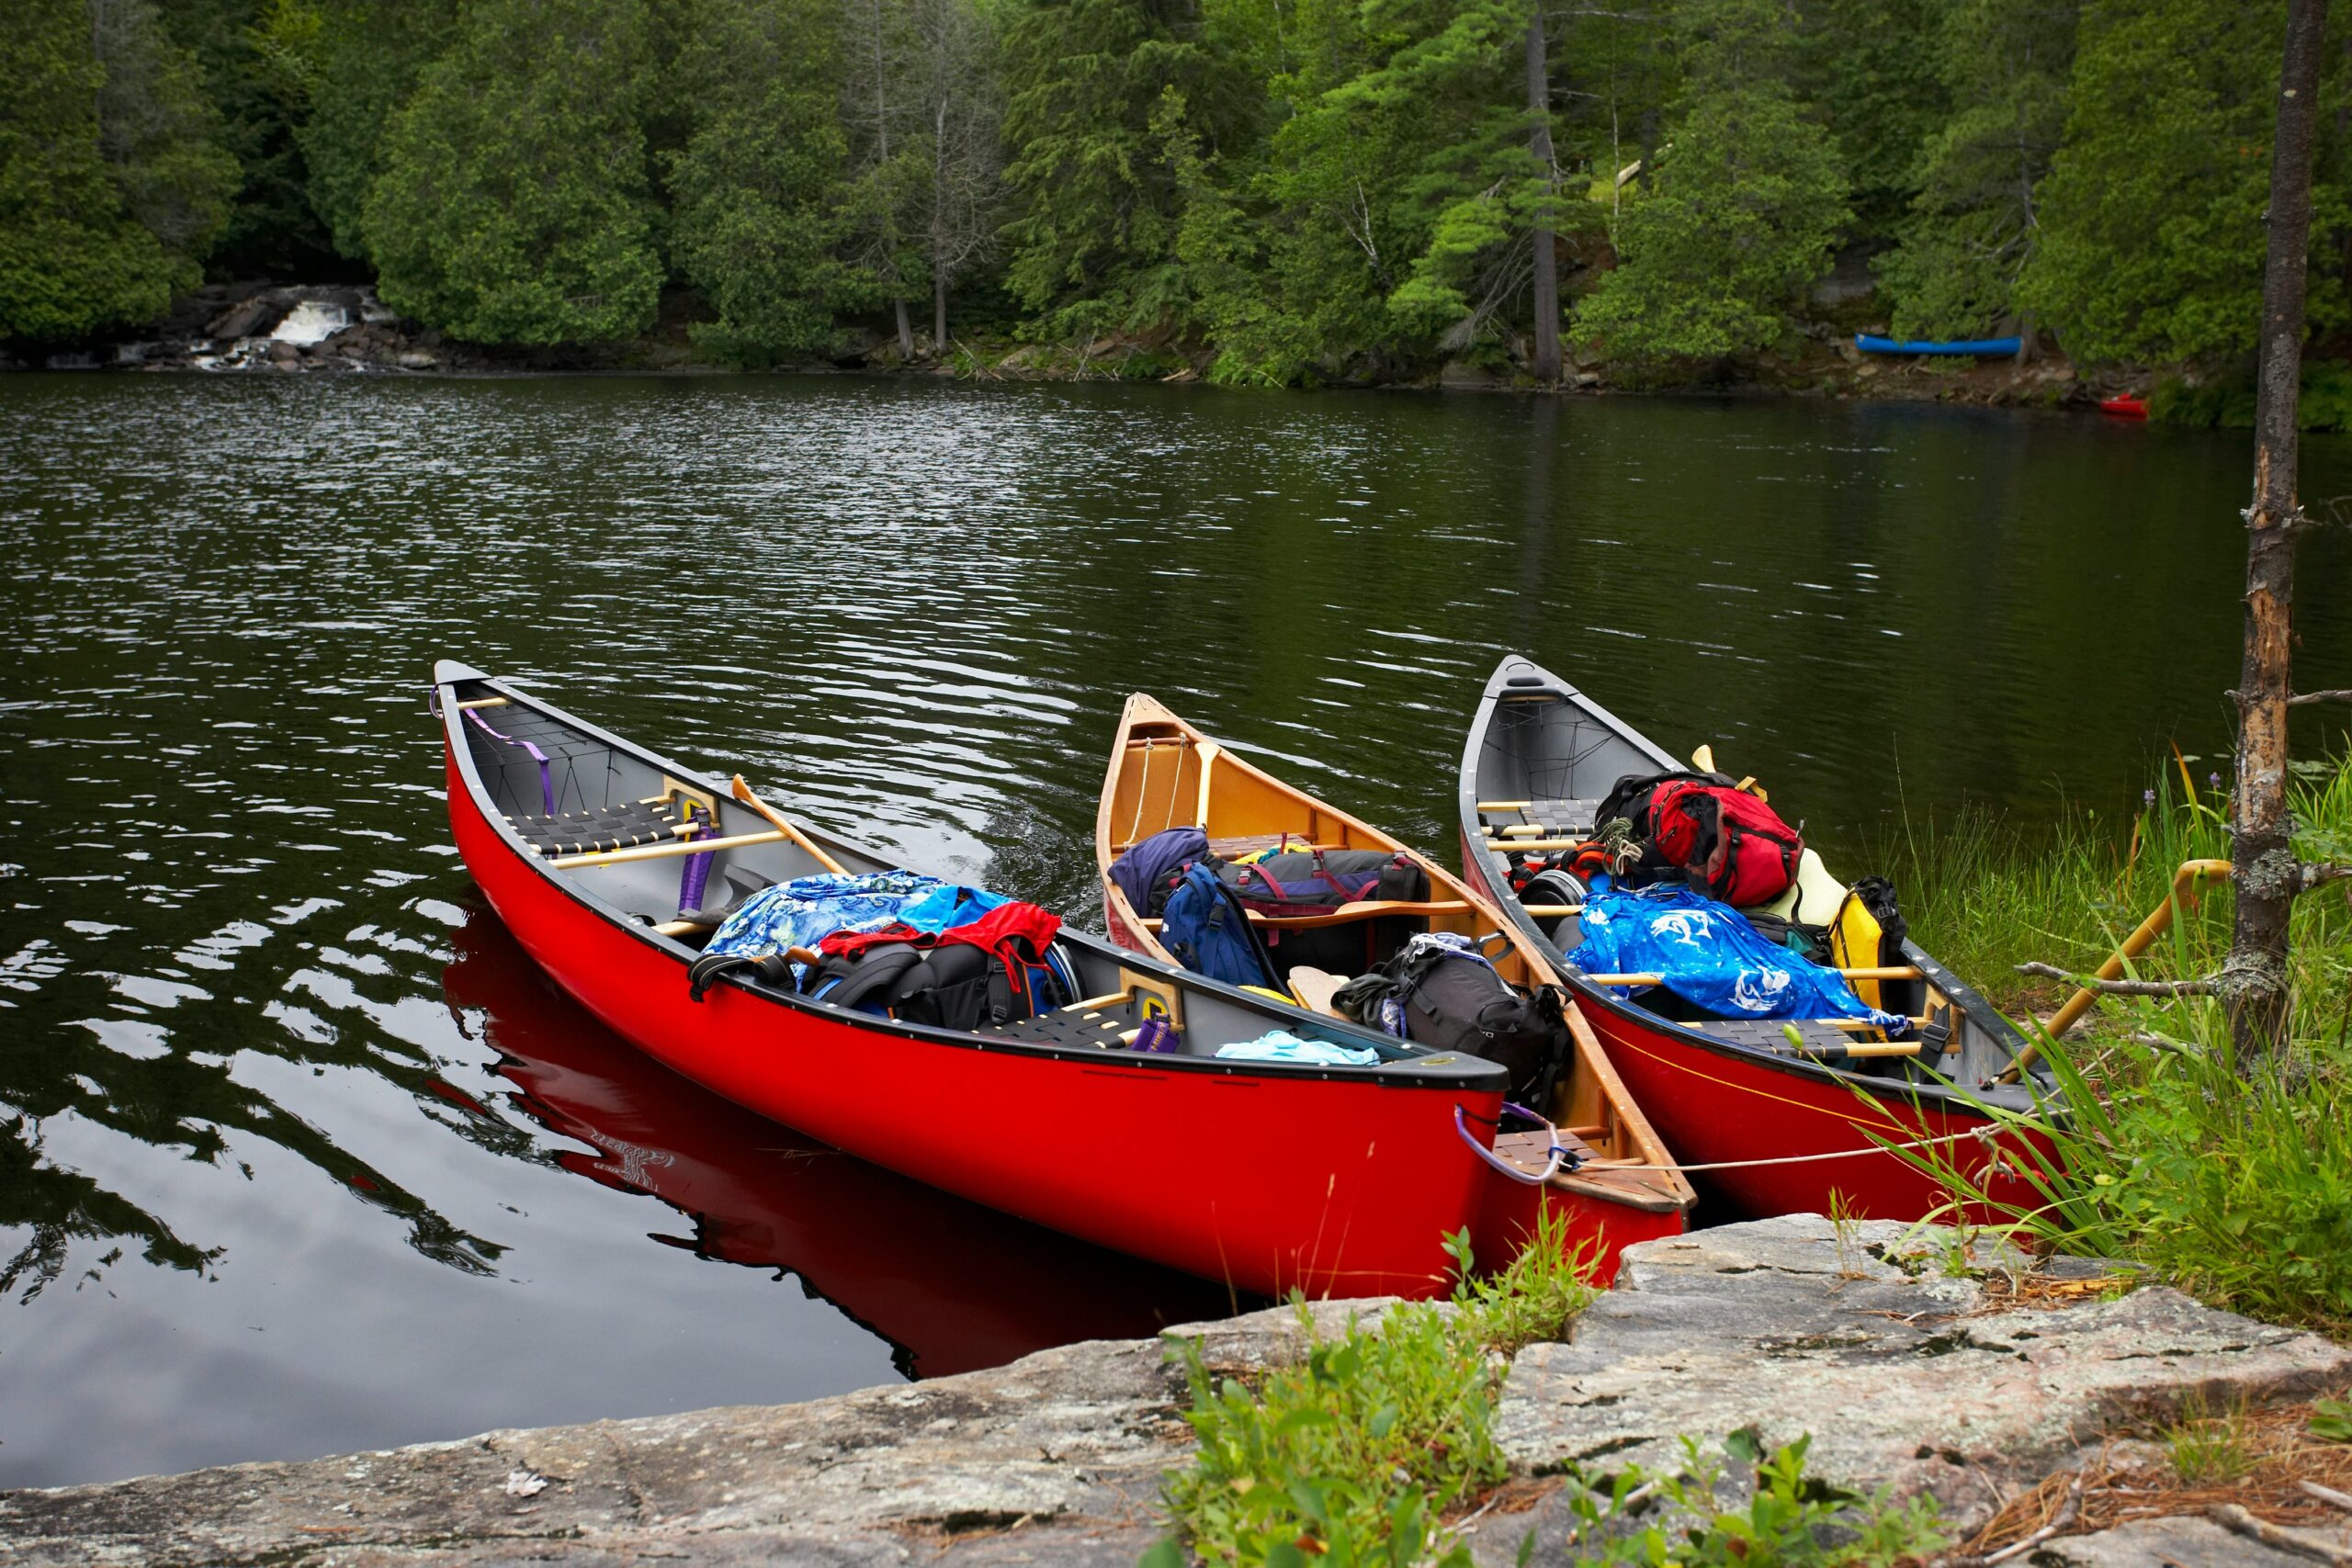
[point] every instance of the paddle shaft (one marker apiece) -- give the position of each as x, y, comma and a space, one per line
783, 824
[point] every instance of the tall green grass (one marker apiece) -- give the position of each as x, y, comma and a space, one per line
2235, 1185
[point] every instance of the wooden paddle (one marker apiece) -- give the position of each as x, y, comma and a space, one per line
783, 824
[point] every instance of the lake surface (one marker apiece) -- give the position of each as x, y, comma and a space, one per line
298, 1155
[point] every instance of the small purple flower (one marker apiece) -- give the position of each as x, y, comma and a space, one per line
2212, 781
2147, 797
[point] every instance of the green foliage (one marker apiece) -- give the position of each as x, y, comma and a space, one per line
1094, 232
270, 227
2152, 245
513, 204
2227, 402
2209, 1449
1791, 1520
1872, 66
353, 65
1971, 231
1534, 1297
2332, 1420
758, 188
1348, 1457
92, 233
1738, 211
2168, 1158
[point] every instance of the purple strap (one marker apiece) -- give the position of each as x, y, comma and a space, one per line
698, 873
547, 784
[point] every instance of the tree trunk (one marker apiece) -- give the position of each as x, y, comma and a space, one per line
938, 310
2262, 860
1547, 261
905, 330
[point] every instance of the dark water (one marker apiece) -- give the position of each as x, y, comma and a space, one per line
298, 1154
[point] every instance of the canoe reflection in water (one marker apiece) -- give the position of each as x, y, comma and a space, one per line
952, 1286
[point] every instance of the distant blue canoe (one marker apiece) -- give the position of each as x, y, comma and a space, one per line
1983, 347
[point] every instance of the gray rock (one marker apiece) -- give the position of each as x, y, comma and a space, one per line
2189, 1541
254, 317
1460, 377
1894, 1368
417, 359
1904, 1378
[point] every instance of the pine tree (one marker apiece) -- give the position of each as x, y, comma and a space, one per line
1975, 222
2152, 239
271, 227
1093, 191
513, 205
760, 210
110, 187
1740, 208
354, 64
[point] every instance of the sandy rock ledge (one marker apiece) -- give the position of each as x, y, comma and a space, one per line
1907, 1377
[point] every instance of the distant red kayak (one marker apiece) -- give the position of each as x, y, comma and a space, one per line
2124, 407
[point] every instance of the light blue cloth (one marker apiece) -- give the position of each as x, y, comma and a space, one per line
1708, 954
804, 912
1281, 1045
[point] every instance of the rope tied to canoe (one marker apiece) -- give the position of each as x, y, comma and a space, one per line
1984, 1134
1560, 1157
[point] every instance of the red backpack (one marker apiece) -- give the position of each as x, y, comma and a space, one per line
1729, 842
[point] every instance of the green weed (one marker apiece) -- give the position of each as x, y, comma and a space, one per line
1791, 1520
1534, 1297
2209, 1449
2332, 1420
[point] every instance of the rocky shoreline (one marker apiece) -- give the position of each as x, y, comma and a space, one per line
340, 329
1915, 1369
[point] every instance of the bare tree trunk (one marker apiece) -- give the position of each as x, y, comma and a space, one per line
2262, 858
1547, 261
939, 313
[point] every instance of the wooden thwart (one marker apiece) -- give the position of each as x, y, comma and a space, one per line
1347, 912
665, 851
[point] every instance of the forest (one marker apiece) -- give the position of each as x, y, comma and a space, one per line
1300, 190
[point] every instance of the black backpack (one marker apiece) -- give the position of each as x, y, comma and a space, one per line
1454, 1001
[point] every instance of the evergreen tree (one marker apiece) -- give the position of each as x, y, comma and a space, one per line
1872, 67
270, 228
2151, 238
110, 188
1738, 211
758, 197
1974, 225
1093, 190
513, 204
354, 64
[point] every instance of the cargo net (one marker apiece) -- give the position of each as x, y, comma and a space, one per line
606, 828
539, 770
1546, 782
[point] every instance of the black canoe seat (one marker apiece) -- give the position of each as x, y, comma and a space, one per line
1557, 819
1764, 1034
1100, 1032
600, 827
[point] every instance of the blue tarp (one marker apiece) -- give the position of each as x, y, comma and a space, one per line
1708, 954
802, 913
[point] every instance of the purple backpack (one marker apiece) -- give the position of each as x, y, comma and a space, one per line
1151, 870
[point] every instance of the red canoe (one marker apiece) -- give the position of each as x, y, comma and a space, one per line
2125, 406
1794, 1130
959, 1288
1621, 1188
1267, 1175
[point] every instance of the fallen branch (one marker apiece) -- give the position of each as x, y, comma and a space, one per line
2310, 875
2303, 699
2302, 1543
2328, 1494
2124, 987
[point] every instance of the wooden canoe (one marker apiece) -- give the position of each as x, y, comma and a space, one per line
1164, 774
1540, 757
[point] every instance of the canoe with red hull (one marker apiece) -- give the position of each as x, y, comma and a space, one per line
1795, 1132
1267, 1175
